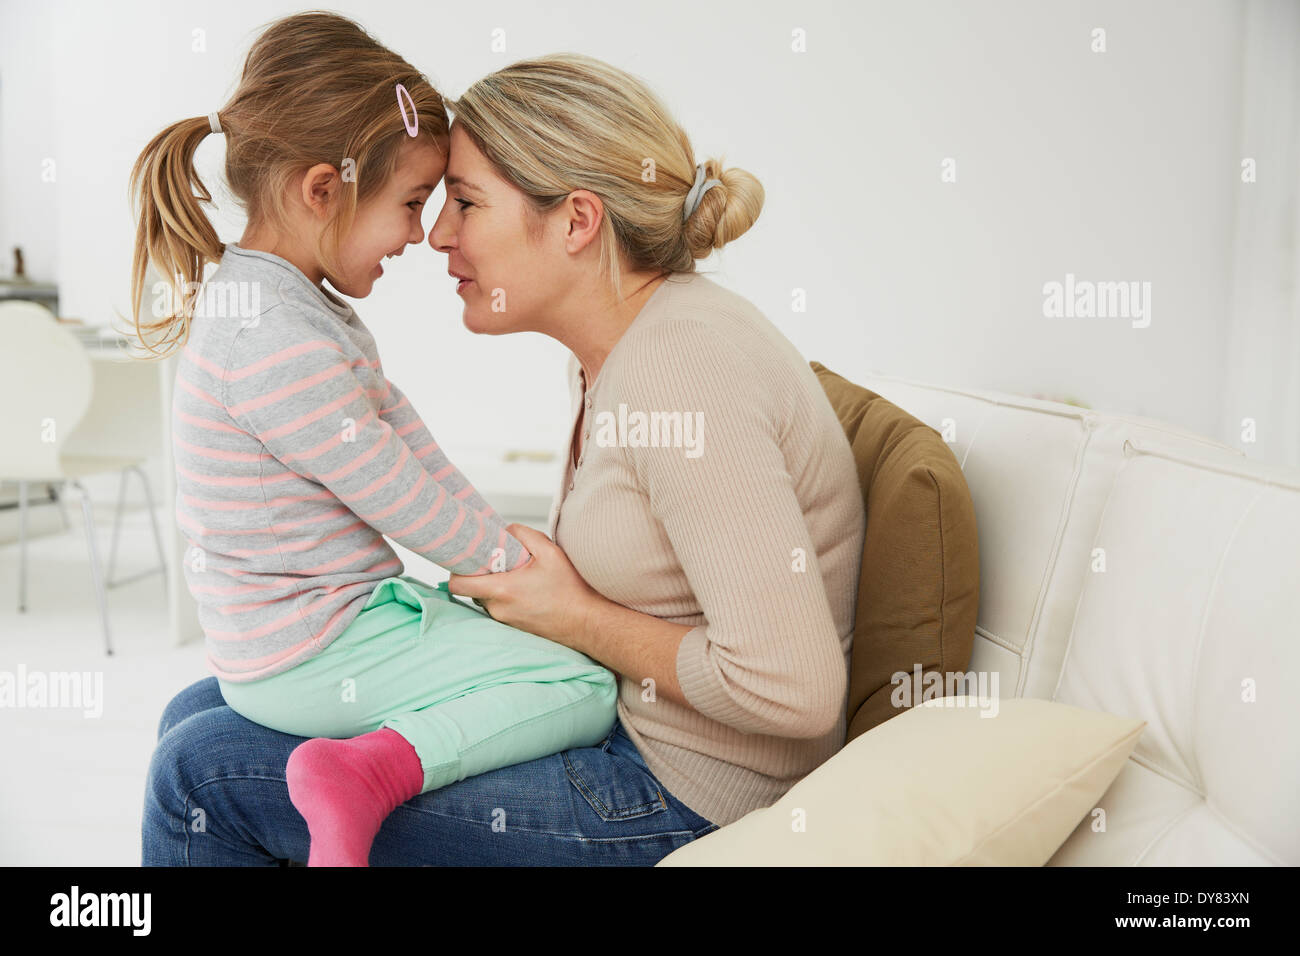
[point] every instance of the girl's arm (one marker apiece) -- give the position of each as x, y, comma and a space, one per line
308, 407
398, 411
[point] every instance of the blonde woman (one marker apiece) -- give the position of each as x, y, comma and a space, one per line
705, 542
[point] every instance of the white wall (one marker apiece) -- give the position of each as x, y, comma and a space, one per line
1120, 165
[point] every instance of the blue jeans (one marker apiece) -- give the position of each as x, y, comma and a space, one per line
216, 796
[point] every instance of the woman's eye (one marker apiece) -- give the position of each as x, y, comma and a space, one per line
464, 203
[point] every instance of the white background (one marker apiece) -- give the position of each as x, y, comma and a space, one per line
1115, 166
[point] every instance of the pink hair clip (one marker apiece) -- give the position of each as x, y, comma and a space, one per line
413, 124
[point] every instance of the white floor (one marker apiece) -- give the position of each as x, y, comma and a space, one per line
71, 785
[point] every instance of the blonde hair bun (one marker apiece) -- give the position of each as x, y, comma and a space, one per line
726, 212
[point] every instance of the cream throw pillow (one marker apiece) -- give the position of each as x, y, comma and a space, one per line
955, 781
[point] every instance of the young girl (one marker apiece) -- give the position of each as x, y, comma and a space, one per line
295, 455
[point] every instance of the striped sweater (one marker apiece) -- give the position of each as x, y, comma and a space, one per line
295, 457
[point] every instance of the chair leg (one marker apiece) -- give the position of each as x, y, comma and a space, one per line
117, 527
153, 520
161, 567
22, 546
94, 564
56, 492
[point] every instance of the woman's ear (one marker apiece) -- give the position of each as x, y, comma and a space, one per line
583, 210
320, 186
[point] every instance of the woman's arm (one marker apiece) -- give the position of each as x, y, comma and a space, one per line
549, 598
769, 659
639, 646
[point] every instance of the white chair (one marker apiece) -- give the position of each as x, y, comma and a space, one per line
46, 380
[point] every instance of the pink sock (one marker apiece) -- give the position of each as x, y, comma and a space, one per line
345, 789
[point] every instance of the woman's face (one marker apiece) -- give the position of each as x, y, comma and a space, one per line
514, 279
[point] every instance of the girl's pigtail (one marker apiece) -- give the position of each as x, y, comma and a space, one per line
173, 232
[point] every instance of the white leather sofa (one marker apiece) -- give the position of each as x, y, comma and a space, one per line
1134, 568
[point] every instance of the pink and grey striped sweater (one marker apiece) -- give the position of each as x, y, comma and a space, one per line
295, 456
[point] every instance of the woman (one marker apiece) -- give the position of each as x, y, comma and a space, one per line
707, 534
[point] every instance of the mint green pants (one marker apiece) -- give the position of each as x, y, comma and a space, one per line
469, 693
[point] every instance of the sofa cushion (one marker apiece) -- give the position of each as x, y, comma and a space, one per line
1018, 775
1187, 620
918, 590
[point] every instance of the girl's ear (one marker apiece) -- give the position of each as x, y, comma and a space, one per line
320, 186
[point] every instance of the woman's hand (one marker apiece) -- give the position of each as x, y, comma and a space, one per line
546, 597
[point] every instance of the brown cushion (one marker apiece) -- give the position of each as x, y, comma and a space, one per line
918, 591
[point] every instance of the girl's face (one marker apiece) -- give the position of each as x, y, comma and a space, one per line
504, 274
388, 221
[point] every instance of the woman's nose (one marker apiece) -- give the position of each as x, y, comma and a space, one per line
439, 235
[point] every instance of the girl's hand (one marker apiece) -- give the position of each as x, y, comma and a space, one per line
546, 597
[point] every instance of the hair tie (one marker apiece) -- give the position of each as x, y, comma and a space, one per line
214, 123
697, 193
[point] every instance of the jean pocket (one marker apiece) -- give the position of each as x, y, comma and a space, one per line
614, 787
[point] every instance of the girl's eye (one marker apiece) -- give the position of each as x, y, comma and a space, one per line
415, 203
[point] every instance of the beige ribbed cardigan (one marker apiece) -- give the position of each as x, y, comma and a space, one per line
752, 536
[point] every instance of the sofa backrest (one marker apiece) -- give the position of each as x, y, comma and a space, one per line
1134, 567
1039, 473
